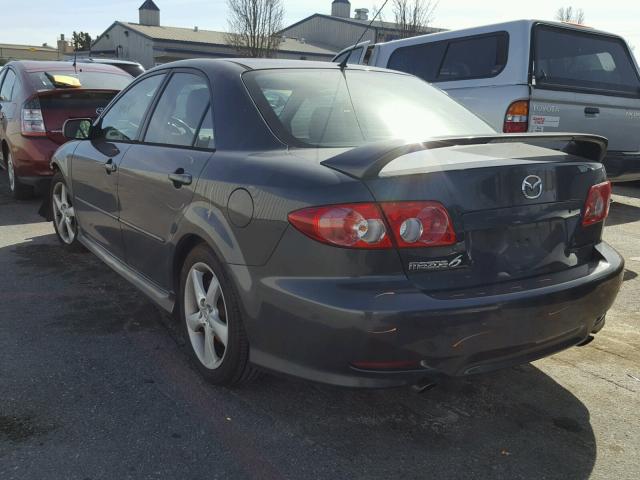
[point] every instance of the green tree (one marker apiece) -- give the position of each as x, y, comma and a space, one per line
81, 41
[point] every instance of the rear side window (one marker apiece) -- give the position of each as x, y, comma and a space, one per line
478, 57
180, 111
421, 60
6, 92
482, 56
581, 60
205, 134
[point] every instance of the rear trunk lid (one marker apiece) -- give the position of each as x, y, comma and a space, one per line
59, 105
585, 81
516, 210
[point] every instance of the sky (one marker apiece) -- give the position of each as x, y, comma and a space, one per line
38, 21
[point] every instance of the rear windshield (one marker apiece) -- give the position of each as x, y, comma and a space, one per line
88, 80
582, 60
329, 108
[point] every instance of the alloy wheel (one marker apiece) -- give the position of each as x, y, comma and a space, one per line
205, 313
63, 213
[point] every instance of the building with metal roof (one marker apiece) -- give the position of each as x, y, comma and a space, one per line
340, 30
27, 52
151, 43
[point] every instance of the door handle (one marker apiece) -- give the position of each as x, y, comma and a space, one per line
591, 111
110, 167
180, 178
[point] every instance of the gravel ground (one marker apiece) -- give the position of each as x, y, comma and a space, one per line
94, 384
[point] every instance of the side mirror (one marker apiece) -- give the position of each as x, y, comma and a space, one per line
77, 128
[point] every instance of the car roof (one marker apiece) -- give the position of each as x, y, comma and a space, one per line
43, 66
112, 61
248, 64
480, 29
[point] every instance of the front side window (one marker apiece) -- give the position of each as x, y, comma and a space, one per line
6, 93
331, 108
180, 111
123, 121
354, 56
573, 59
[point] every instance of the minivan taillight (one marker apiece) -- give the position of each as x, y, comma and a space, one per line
516, 119
596, 208
32, 119
369, 226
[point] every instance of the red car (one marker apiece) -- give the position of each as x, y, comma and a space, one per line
36, 98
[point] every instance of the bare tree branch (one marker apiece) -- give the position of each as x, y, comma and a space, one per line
412, 17
254, 26
570, 15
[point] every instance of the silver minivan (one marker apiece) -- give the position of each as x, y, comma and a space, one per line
531, 76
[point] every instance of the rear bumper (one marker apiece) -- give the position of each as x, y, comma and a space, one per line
32, 156
622, 167
318, 328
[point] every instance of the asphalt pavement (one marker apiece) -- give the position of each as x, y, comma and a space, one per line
95, 384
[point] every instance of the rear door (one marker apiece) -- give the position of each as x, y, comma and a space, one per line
7, 101
585, 82
158, 176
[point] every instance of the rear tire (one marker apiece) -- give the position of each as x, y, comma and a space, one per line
19, 191
210, 315
63, 214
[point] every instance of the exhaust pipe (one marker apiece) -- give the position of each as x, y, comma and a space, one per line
423, 386
586, 341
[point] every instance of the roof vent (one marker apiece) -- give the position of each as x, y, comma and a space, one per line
362, 14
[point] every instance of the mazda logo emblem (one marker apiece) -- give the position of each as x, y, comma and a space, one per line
532, 187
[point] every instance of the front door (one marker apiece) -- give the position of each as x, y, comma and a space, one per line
159, 175
96, 163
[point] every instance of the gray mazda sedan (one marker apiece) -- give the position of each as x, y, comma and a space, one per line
348, 225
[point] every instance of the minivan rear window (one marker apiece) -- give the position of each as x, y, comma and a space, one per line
88, 80
482, 56
572, 59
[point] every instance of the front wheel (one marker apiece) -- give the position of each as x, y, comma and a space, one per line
63, 213
210, 314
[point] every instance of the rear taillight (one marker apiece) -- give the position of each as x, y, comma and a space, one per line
517, 118
419, 224
596, 208
363, 225
32, 119
358, 225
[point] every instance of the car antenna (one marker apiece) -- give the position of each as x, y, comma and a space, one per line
343, 63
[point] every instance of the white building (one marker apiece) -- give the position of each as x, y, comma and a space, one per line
151, 43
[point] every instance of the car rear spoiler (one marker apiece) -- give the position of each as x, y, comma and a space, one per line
367, 161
